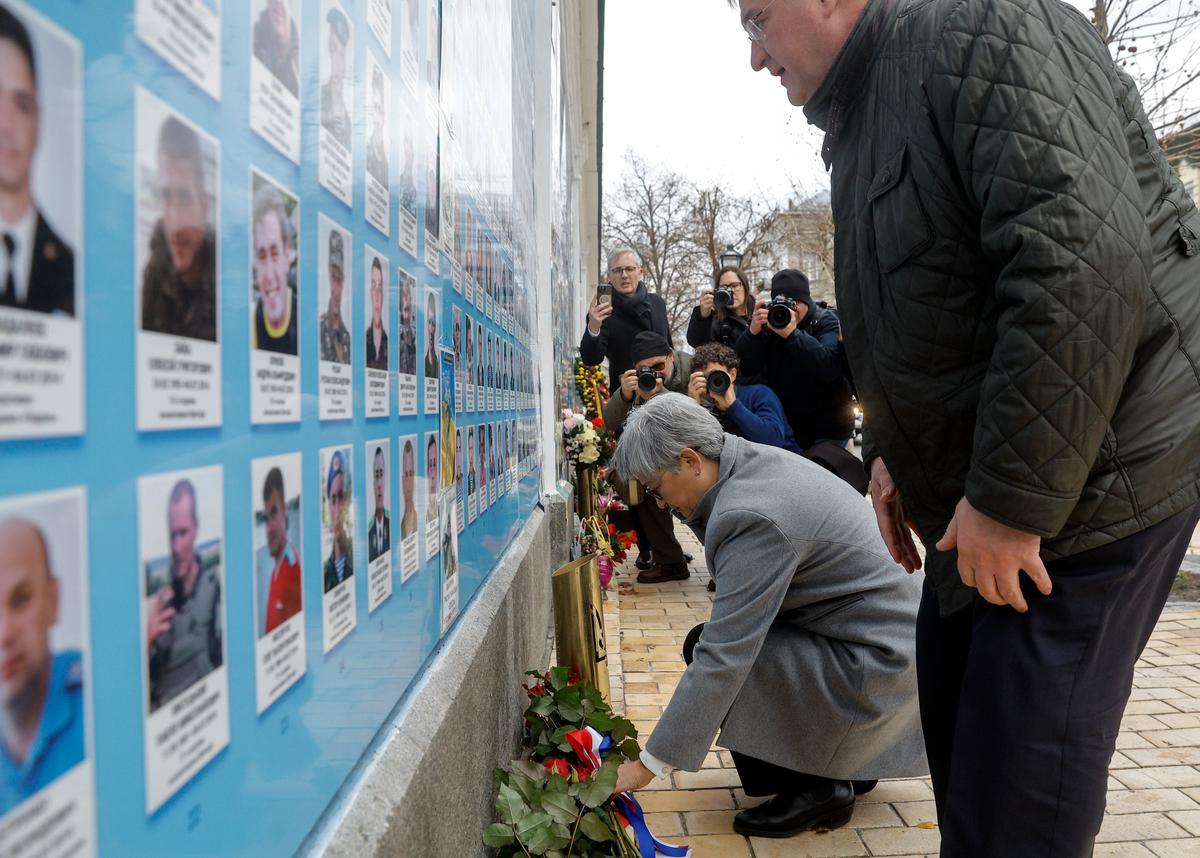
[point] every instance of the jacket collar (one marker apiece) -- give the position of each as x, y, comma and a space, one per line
836, 94
729, 455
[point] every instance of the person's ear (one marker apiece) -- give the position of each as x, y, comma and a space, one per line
733, 373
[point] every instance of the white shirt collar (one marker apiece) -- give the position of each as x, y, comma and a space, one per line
23, 233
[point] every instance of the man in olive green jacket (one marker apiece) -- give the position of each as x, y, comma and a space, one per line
651, 351
1018, 273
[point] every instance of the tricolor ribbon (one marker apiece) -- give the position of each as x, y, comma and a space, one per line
588, 745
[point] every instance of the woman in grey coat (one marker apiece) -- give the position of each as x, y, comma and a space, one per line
806, 664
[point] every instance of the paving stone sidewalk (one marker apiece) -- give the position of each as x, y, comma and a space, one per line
1154, 784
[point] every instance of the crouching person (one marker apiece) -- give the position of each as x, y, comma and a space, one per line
806, 664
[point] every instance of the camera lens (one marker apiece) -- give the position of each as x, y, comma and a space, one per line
647, 379
718, 381
723, 297
779, 313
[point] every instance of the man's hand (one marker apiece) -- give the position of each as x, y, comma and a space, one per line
697, 386
725, 400
894, 523
646, 397
628, 384
706, 303
632, 776
597, 313
161, 614
991, 556
759, 320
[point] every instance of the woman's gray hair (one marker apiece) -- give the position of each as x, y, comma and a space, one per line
618, 252
657, 432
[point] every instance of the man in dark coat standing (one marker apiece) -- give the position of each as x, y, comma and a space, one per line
1016, 279
801, 362
611, 327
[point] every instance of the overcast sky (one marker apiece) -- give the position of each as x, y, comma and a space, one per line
679, 91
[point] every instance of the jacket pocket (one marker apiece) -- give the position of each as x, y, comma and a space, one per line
902, 227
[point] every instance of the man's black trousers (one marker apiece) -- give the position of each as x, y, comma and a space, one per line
1021, 711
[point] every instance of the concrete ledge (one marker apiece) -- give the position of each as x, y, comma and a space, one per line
425, 786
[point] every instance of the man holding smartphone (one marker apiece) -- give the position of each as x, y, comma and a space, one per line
619, 313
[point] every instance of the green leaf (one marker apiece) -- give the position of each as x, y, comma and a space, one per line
602, 722
599, 788
562, 807
509, 804
497, 835
536, 772
595, 828
630, 749
542, 705
559, 676
534, 831
571, 712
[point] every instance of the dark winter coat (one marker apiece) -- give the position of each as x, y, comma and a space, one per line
805, 371
629, 318
713, 330
1018, 274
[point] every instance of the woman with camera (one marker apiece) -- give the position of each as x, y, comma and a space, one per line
806, 665
723, 312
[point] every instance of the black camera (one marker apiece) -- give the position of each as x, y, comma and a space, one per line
718, 381
779, 311
723, 297
647, 379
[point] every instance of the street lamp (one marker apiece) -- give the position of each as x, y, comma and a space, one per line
731, 258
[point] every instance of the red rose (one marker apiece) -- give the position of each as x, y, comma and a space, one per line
612, 529
538, 690
558, 766
598, 422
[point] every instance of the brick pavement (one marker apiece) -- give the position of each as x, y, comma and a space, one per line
1153, 803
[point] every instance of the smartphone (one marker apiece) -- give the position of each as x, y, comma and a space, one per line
604, 293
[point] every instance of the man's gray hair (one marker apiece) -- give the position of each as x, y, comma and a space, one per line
657, 432
621, 251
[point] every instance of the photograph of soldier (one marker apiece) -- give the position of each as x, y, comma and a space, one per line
458, 464
480, 343
433, 191
376, 336
37, 267
335, 338
277, 43
278, 577
407, 335
408, 166
457, 341
339, 565
379, 534
377, 147
335, 113
273, 245
469, 367
42, 725
408, 486
431, 473
179, 280
470, 460
432, 364
183, 628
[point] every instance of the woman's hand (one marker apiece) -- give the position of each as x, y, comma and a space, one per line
706, 303
632, 776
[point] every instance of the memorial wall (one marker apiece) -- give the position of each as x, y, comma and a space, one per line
270, 392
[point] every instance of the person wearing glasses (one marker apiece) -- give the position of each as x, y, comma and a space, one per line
1016, 271
661, 557
611, 326
722, 321
806, 666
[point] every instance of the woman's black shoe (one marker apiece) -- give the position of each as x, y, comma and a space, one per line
785, 815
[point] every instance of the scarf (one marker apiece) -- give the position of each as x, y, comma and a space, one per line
635, 307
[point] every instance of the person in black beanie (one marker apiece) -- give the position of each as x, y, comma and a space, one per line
611, 327
801, 362
661, 557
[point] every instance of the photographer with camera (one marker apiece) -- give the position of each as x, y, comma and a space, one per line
724, 311
656, 367
621, 310
794, 346
750, 411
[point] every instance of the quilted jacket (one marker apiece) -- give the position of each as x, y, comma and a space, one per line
1018, 274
